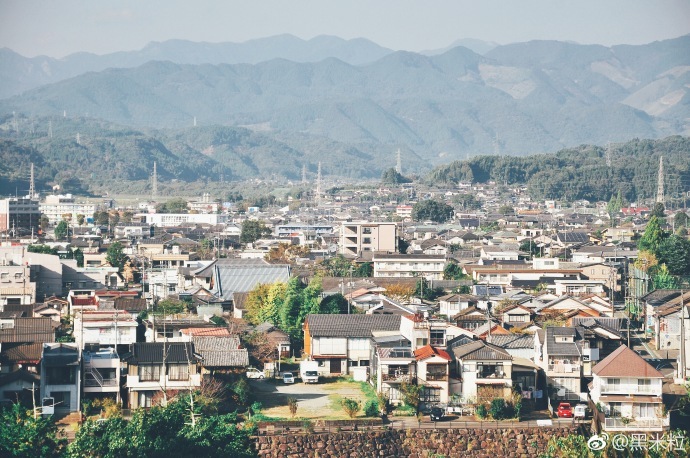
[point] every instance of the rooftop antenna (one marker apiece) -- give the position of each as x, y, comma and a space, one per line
398, 166
660, 186
318, 185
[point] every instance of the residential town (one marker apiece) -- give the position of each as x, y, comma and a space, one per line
546, 304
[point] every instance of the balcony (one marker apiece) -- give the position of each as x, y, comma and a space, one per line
396, 378
630, 389
564, 368
436, 376
645, 424
437, 342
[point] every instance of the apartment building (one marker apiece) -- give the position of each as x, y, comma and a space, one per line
360, 237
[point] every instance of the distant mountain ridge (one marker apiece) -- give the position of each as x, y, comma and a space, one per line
20, 74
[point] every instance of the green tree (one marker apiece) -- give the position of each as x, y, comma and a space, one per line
61, 230
391, 176
127, 216
614, 207
176, 205
664, 280
22, 435
80, 219
658, 210
337, 266
453, 271
403, 245
674, 251
506, 210
434, 210
43, 249
334, 304
364, 269
680, 220
115, 255
652, 237
79, 256
170, 306
44, 223
101, 218
530, 247
253, 230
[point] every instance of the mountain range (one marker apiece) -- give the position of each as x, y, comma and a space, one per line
357, 102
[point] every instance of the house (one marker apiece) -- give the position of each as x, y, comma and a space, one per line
470, 318
630, 391
485, 371
101, 374
566, 303
339, 342
220, 354
157, 368
17, 387
61, 377
452, 304
392, 366
515, 315
277, 338
433, 373
104, 328
421, 330
561, 359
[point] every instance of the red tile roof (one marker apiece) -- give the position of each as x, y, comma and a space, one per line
428, 352
624, 362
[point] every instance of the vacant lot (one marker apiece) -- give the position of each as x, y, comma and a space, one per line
317, 401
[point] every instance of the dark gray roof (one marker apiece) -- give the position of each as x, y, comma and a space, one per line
220, 352
481, 351
561, 348
152, 352
573, 237
131, 305
513, 341
660, 297
237, 278
611, 324
351, 325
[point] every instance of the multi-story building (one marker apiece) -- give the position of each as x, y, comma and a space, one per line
105, 328
59, 207
485, 371
429, 267
20, 214
101, 373
360, 237
61, 377
177, 219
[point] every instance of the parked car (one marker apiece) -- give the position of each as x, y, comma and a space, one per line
288, 377
436, 414
580, 411
564, 410
253, 372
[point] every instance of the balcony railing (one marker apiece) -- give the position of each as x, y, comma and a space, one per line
636, 425
436, 377
437, 342
396, 378
564, 368
630, 388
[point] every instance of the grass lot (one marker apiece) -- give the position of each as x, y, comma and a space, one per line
320, 401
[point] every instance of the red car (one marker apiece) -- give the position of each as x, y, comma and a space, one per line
565, 410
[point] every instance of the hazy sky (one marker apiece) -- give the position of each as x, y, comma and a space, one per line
60, 27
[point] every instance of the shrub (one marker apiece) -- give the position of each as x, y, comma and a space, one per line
371, 408
292, 405
351, 407
481, 411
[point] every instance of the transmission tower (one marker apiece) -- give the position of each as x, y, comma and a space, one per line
78, 139
608, 155
660, 198
304, 173
50, 128
32, 184
317, 197
154, 183
398, 166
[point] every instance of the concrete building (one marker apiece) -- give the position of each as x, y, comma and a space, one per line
425, 266
59, 207
356, 238
19, 213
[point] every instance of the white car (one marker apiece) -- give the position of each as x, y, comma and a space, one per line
253, 372
288, 378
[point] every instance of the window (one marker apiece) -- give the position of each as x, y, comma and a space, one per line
645, 410
145, 398
353, 363
149, 372
430, 394
62, 399
60, 376
438, 337
614, 409
421, 342
644, 385
366, 240
613, 384
178, 371
5, 276
364, 363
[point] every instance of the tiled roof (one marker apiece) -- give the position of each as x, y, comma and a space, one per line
561, 348
209, 332
124, 303
21, 374
624, 362
237, 278
59, 354
481, 351
351, 325
152, 352
513, 341
428, 351
660, 296
29, 330
220, 351
21, 353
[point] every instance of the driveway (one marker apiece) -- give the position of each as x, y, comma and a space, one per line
314, 400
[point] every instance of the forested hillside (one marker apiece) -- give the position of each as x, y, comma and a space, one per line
582, 172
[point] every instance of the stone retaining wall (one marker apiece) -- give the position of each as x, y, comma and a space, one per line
412, 443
